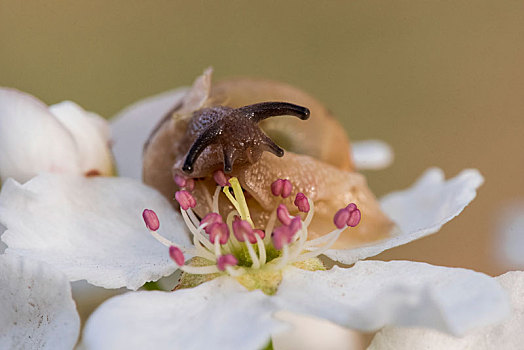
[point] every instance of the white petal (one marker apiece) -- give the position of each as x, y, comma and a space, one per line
220, 314
32, 140
90, 228
419, 211
506, 335
132, 127
91, 134
372, 154
509, 238
374, 294
36, 307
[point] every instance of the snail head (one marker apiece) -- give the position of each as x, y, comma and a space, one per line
233, 134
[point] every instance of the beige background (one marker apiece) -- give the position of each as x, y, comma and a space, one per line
441, 81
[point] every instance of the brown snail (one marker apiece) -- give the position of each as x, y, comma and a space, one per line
227, 126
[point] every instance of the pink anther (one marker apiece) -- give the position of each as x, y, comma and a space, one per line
281, 187
301, 202
221, 178
283, 214
176, 254
349, 216
295, 225
276, 187
210, 219
151, 219
341, 217
351, 207
287, 188
180, 180
241, 229
259, 233
354, 218
219, 231
185, 199
281, 236
224, 261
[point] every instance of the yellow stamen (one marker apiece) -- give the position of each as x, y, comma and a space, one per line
239, 201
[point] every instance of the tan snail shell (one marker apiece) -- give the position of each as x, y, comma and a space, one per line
317, 160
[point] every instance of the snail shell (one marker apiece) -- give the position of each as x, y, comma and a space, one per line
317, 160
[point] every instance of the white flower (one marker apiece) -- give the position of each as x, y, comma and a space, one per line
62, 138
508, 335
90, 228
36, 307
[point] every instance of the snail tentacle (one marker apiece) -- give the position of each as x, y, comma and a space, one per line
260, 111
205, 139
271, 146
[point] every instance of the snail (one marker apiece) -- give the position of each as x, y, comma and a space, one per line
260, 131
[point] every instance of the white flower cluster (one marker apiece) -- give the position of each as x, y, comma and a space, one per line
61, 226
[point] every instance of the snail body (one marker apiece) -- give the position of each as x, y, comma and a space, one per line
221, 125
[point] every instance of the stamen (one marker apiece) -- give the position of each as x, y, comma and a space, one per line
221, 178
349, 215
187, 183
286, 191
276, 187
291, 238
151, 219
201, 249
200, 270
351, 207
243, 229
229, 220
283, 214
215, 199
261, 250
333, 238
196, 232
185, 199
225, 261
235, 272
283, 260
161, 239
311, 213
180, 181
341, 217
259, 233
219, 231
302, 202
354, 218
193, 217
210, 219
252, 254
281, 187
176, 254
295, 225
282, 236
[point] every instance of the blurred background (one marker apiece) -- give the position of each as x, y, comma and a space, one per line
441, 81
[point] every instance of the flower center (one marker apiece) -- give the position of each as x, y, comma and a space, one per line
231, 244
